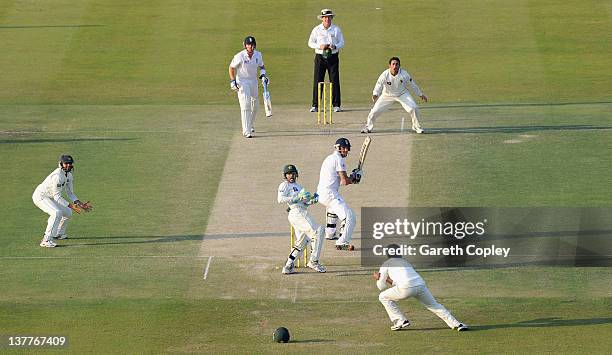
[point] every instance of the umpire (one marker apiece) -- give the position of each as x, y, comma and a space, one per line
326, 39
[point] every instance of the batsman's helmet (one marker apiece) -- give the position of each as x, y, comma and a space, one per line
288, 169
250, 40
343, 142
281, 335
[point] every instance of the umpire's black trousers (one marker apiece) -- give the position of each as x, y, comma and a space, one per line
332, 65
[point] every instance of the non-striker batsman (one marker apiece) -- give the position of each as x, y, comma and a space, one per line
243, 80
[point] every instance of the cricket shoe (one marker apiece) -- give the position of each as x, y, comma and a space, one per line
345, 247
418, 130
331, 237
48, 244
366, 130
248, 135
337, 109
288, 269
313, 109
316, 266
462, 327
400, 326
61, 237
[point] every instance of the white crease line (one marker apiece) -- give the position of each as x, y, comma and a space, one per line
295, 292
93, 131
207, 266
342, 301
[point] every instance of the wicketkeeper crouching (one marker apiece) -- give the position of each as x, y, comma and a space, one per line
307, 231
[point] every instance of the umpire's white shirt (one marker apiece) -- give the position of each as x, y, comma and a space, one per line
395, 85
246, 68
401, 272
53, 186
320, 35
329, 180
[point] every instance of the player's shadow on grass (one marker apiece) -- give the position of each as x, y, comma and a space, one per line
62, 140
311, 341
140, 239
545, 322
48, 26
515, 129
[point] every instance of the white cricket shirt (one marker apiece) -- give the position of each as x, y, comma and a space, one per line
401, 272
287, 191
320, 35
246, 68
53, 186
328, 177
395, 85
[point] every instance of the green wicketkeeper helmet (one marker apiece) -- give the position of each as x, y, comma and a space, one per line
287, 169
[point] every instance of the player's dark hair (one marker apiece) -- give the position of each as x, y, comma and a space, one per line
395, 58
394, 246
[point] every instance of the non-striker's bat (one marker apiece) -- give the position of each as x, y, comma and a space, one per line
266, 99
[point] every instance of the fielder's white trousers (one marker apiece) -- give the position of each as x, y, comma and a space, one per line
336, 204
385, 101
249, 103
58, 216
306, 231
390, 296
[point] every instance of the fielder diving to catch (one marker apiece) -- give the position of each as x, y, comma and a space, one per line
307, 231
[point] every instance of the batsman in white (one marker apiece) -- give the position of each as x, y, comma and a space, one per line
307, 231
332, 175
243, 80
398, 280
48, 197
391, 86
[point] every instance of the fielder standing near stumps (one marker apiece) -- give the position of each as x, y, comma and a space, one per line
307, 231
332, 175
243, 80
48, 197
391, 86
398, 280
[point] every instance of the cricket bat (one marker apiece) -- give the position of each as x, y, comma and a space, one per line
266, 99
364, 152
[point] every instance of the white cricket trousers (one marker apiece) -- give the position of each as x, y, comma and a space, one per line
390, 296
306, 231
249, 103
385, 101
58, 216
336, 204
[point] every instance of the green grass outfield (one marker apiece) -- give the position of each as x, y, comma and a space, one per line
520, 115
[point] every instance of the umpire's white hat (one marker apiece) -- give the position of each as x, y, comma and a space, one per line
325, 13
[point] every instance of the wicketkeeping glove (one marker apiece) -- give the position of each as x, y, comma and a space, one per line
304, 195
233, 85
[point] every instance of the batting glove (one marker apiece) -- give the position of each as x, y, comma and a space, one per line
233, 85
264, 79
356, 176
